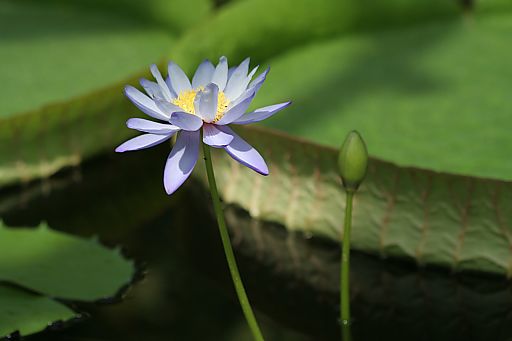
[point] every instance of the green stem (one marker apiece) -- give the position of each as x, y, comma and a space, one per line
345, 263
345, 332
228, 249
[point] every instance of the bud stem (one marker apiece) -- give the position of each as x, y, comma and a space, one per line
345, 263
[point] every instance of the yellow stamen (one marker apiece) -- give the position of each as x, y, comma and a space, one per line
222, 105
185, 100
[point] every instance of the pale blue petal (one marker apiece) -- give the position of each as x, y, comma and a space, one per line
186, 121
205, 103
258, 81
220, 75
144, 103
203, 75
166, 107
142, 142
169, 85
181, 160
230, 71
238, 81
163, 86
179, 79
215, 137
152, 89
244, 153
237, 110
151, 127
253, 71
261, 113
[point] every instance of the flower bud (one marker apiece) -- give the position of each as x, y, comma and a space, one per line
353, 161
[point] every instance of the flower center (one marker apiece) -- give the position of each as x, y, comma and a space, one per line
185, 100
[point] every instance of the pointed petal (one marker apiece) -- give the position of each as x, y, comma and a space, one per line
261, 113
144, 103
186, 121
166, 107
152, 89
181, 160
205, 102
169, 85
253, 71
237, 110
220, 75
142, 142
230, 71
238, 81
179, 79
215, 137
151, 127
203, 74
244, 153
163, 86
258, 81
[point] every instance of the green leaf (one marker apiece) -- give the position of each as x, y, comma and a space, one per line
439, 219
53, 53
435, 96
79, 48
433, 218
264, 28
77, 51
173, 15
28, 313
48, 138
60, 265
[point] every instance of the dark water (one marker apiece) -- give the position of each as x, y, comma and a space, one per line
186, 293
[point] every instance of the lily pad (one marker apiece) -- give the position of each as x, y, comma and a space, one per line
50, 137
60, 265
52, 52
435, 219
43, 265
292, 23
436, 96
28, 313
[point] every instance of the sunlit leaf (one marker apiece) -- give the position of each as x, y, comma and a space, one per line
435, 96
60, 265
50, 54
48, 138
28, 313
431, 218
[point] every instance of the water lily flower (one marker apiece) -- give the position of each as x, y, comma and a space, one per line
216, 97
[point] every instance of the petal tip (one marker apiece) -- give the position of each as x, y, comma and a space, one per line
264, 172
127, 88
169, 191
212, 86
263, 169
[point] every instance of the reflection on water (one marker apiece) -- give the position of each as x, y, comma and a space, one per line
292, 281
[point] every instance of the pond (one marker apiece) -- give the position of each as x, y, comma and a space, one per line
182, 290
426, 82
